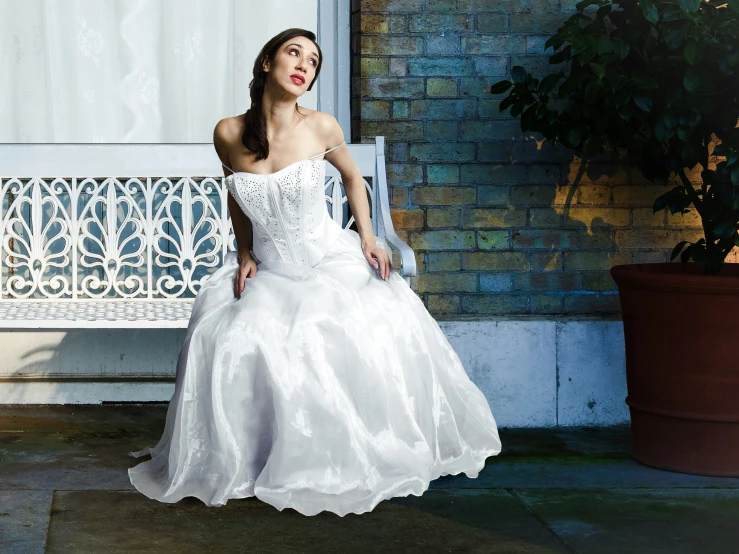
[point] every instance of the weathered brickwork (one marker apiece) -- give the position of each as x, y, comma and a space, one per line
501, 222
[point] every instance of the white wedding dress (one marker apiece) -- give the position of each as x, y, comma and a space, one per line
324, 387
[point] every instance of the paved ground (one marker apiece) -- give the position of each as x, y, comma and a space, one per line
64, 488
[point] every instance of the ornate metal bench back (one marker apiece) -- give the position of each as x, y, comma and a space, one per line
144, 230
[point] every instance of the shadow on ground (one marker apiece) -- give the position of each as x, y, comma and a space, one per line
64, 488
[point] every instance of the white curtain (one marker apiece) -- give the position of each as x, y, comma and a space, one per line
133, 71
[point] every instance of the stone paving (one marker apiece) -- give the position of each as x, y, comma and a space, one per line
64, 488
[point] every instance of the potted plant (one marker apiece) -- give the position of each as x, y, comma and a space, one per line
656, 83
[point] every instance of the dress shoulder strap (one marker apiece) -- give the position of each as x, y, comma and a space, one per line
224, 165
327, 151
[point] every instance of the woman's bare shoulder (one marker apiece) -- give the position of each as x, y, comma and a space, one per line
225, 135
226, 130
316, 119
325, 128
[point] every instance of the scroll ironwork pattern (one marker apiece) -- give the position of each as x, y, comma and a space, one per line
36, 237
103, 238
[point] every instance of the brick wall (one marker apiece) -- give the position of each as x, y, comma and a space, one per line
501, 222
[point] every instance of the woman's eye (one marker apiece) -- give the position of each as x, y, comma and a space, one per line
312, 59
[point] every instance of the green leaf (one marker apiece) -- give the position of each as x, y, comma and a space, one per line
725, 228
591, 92
548, 83
622, 97
587, 54
626, 112
505, 103
605, 44
562, 55
690, 52
721, 150
592, 145
649, 10
573, 137
621, 48
518, 74
645, 83
591, 111
733, 5
698, 253
578, 17
691, 80
644, 102
684, 133
689, 5
676, 199
598, 70
603, 11
580, 6
677, 249
528, 119
689, 154
674, 38
517, 108
573, 109
501, 86
671, 13
661, 132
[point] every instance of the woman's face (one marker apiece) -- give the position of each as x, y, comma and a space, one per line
296, 58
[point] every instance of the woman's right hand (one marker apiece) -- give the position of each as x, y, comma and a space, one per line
247, 268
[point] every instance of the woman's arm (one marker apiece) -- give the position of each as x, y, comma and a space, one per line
239, 220
241, 223
356, 194
242, 230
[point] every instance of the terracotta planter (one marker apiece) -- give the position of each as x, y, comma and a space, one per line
681, 332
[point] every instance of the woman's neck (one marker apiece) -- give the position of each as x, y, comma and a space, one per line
280, 116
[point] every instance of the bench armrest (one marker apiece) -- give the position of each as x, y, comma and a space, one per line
385, 222
407, 257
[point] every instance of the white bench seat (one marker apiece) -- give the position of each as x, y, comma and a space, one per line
95, 314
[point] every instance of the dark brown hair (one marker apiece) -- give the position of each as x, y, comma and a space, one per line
254, 137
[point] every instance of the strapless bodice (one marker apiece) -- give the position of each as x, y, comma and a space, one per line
288, 212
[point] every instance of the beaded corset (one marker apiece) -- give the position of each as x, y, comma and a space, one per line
288, 212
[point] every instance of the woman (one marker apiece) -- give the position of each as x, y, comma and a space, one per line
311, 375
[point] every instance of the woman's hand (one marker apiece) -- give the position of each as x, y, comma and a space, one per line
247, 268
377, 258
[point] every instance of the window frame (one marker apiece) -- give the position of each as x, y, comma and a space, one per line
334, 83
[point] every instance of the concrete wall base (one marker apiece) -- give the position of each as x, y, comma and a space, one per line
534, 373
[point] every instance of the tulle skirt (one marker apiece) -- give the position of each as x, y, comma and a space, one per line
321, 388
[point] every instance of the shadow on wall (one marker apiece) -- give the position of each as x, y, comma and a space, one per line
598, 215
97, 354
571, 236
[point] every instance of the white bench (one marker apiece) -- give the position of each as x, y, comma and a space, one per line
122, 236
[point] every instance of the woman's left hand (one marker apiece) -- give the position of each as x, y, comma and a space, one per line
377, 258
